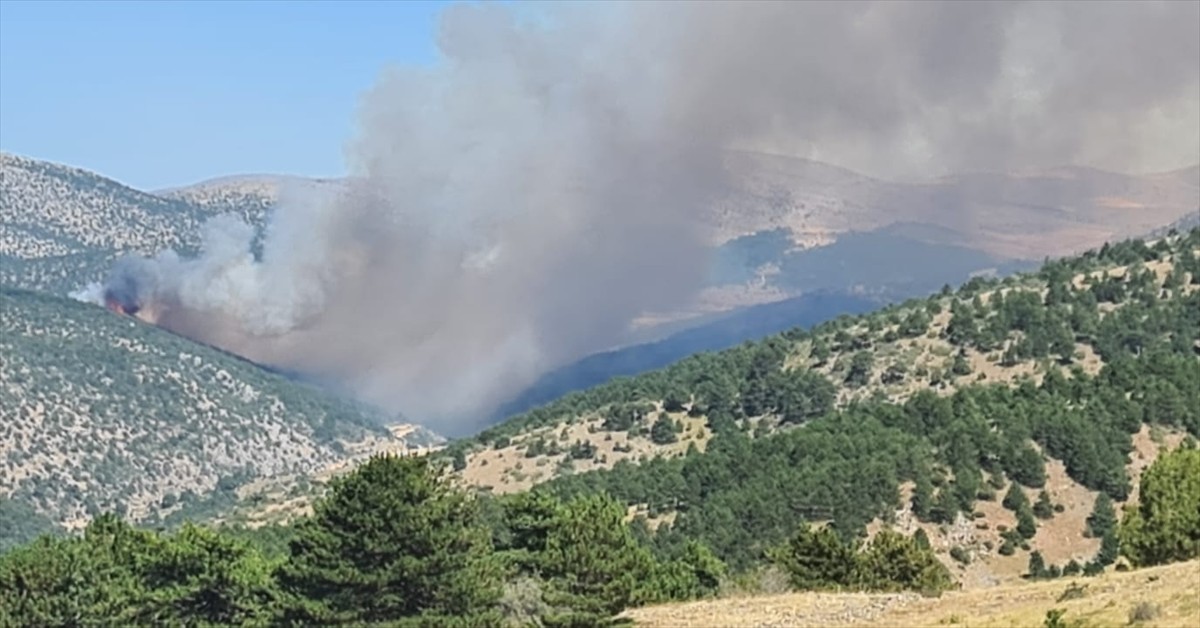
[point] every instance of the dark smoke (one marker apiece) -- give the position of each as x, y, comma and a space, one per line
520, 203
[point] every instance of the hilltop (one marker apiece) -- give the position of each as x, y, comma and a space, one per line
256, 192
100, 412
61, 227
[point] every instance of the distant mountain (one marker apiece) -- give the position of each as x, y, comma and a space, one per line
1009, 215
61, 226
99, 412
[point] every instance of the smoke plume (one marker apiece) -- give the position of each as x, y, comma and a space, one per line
520, 202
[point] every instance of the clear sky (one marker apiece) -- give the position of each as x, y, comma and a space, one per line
159, 94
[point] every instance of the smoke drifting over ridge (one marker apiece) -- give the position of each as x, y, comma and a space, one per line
517, 205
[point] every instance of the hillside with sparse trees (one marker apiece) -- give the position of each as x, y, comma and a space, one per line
61, 227
100, 412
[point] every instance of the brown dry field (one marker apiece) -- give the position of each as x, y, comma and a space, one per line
1169, 595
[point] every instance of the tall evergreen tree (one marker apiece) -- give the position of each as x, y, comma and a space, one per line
1037, 565
895, 562
1043, 508
1015, 498
1165, 526
1103, 517
591, 562
391, 542
1026, 524
817, 558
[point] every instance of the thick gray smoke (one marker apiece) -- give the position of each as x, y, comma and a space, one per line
520, 203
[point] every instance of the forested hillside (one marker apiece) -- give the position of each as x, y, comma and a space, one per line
100, 412
1069, 317
956, 397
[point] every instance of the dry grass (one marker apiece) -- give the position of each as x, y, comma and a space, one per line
1172, 591
507, 470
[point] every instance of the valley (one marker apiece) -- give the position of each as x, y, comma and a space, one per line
688, 432
585, 315
919, 348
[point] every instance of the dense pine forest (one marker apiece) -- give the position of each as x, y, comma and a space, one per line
812, 435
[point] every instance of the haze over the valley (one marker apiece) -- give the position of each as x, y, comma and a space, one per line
519, 204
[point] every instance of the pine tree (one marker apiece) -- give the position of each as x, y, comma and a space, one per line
591, 562
696, 573
817, 559
200, 577
1110, 548
1037, 565
820, 351
674, 400
1103, 517
922, 498
116, 574
528, 519
1026, 524
893, 562
391, 541
859, 373
922, 539
961, 365
1042, 508
1015, 498
1165, 526
663, 431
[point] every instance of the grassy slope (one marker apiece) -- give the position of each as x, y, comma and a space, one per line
1108, 600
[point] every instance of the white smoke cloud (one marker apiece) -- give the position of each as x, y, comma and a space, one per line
520, 203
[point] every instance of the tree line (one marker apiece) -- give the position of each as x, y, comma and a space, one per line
394, 543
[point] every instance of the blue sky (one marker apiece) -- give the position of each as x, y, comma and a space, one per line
158, 94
